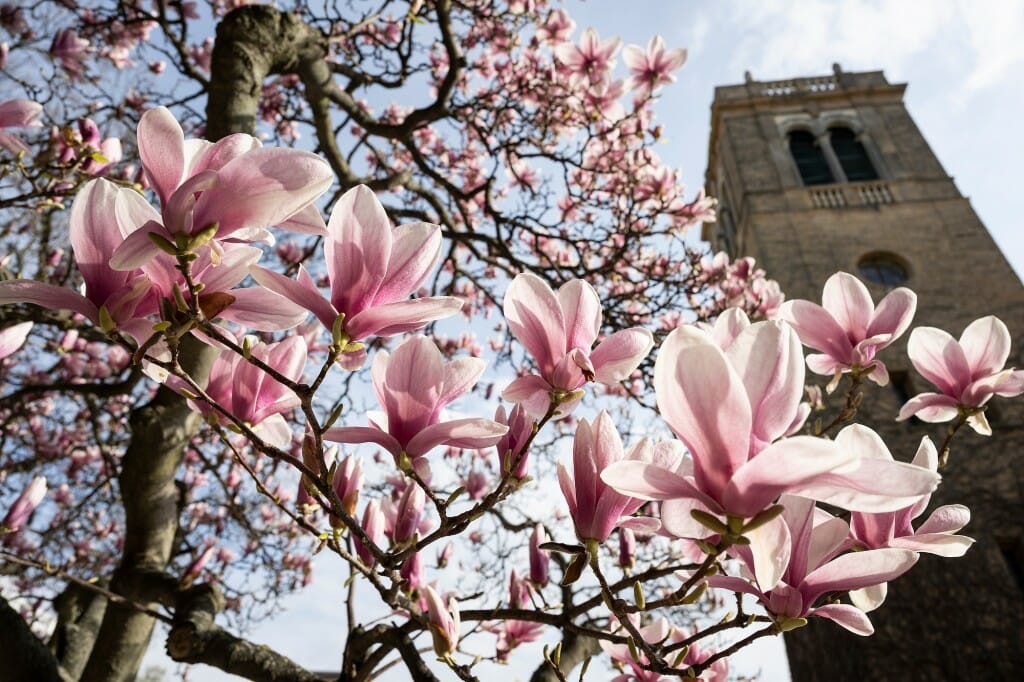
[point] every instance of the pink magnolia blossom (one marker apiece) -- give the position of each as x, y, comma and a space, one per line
556, 28
657, 632
103, 218
232, 189
13, 337
26, 503
250, 394
731, 409
512, 453
413, 572
540, 560
443, 621
848, 329
589, 61
110, 296
967, 372
408, 514
894, 529
71, 51
596, 507
558, 331
373, 524
348, 483
99, 154
414, 386
808, 548
17, 113
652, 68
373, 268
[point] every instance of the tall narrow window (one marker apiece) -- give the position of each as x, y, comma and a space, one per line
852, 156
810, 160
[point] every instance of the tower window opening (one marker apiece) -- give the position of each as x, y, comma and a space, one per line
883, 268
852, 156
810, 159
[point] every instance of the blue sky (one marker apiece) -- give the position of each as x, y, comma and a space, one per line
962, 62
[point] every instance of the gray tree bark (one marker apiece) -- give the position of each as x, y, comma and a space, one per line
252, 43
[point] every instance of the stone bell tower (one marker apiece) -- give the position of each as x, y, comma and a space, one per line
830, 173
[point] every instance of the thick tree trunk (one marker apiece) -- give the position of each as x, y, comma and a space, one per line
25, 658
252, 42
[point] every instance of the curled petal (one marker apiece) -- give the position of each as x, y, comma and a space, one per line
929, 407
850, 617
401, 317
617, 356
459, 433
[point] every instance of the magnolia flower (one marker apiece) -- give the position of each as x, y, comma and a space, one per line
512, 455
589, 61
414, 386
250, 394
103, 218
558, 331
848, 329
17, 113
652, 68
596, 507
373, 268
111, 297
232, 189
71, 51
893, 529
443, 621
808, 549
540, 559
967, 372
557, 28
373, 525
348, 483
26, 503
12, 338
731, 409
408, 514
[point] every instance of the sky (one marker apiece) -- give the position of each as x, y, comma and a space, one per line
962, 61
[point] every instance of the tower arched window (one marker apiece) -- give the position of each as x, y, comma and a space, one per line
852, 156
810, 159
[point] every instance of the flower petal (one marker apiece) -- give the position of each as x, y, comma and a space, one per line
401, 317
581, 309
535, 318
617, 356
414, 253
458, 433
847, 299
162, 150
704, 402
939, 359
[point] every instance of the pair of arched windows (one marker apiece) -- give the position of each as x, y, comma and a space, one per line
848, 152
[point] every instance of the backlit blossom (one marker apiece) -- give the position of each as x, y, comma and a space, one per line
967, 372
558, 331
597, 508
809, 549
232, 189
653, 67
17, 113
847, 327
373, 268
414, 385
